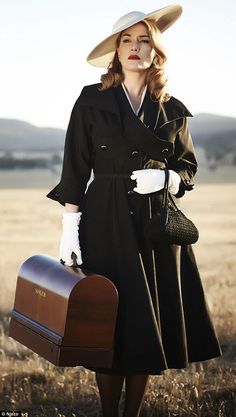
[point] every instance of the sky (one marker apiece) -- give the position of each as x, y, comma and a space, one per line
44, 45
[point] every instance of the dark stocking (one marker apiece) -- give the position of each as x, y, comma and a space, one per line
110, 387
134, 395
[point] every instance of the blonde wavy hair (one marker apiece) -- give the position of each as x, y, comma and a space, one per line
156, 76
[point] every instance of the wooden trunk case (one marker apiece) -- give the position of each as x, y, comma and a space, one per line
64, 314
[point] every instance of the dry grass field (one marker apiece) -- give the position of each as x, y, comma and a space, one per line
31, 224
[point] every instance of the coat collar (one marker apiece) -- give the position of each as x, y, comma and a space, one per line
103, 100
171, 110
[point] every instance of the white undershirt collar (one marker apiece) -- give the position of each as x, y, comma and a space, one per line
142, 98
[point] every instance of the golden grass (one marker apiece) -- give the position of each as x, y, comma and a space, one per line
30, 224
202, 390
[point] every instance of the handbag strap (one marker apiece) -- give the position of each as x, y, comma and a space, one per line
166, 193
165, 190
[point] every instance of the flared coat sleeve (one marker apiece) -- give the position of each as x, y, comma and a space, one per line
77, 160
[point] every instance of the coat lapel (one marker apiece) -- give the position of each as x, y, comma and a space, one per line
140, 133
137, 130
101, 100
171, 110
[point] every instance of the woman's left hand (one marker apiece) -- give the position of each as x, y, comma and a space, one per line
152, 180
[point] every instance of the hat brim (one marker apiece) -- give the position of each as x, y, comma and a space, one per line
103, 54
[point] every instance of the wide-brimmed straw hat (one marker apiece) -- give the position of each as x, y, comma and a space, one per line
103, 54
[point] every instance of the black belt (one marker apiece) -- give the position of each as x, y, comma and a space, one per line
113, 175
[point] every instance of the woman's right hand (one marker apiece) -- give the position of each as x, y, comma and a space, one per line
70, 238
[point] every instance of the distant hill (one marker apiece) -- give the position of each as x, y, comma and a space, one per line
31, 156
17, 135
215, 134
205, 124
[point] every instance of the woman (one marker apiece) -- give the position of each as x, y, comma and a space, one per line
127, 129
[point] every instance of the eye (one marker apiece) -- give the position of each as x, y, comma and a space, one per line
146, 40
125, 40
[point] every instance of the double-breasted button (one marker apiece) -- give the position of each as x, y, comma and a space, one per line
165, 151
131, 212
103, 147
130, 192
134, 153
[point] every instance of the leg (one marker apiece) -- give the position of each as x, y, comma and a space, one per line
110, 387
135, 389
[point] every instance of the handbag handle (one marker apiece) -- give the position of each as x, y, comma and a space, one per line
165, 193
165, 190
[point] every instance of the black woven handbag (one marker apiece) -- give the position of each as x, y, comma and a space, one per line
170, 225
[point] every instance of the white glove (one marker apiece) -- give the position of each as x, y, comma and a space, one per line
174, 182
152, 180
70, 239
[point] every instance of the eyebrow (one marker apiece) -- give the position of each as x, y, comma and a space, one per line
141, 36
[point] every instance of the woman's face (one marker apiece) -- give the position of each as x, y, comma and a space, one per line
135, 51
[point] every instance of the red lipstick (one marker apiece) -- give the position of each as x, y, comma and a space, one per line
133, 57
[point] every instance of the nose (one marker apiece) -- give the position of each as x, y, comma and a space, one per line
135, 46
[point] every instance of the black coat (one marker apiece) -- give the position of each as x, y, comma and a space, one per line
163, 318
